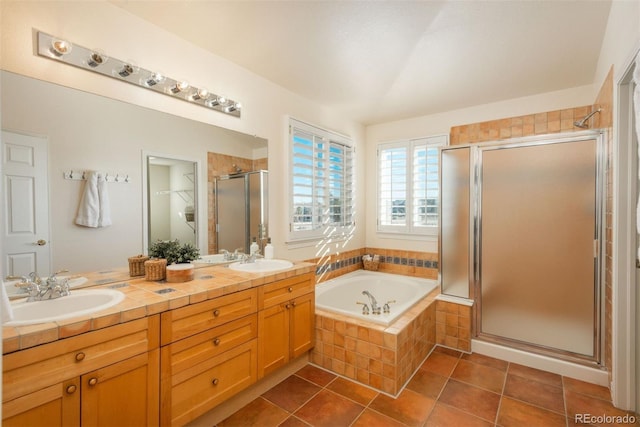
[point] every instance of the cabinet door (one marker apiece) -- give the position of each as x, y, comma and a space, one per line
57, 405
302, 324
273, 338
123, 394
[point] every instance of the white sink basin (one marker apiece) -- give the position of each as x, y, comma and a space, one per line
78, 303
262, 265
15, 292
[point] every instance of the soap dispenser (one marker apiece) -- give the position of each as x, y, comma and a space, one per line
254, 248
268, 249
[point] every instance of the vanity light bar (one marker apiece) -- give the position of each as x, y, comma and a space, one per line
95, 60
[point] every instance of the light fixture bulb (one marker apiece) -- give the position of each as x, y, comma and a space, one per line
127, 70
201, 93
154, 79
60, 47
96, 58
179, 87
233, 107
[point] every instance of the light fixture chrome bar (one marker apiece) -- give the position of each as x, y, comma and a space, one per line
96, 61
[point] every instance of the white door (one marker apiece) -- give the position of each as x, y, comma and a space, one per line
25, 204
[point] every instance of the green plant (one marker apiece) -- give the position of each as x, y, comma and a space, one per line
173, 251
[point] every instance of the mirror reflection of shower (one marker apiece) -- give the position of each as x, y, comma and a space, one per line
242, 210
172, 199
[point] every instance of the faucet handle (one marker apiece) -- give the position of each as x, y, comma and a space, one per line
386, 307
365, 307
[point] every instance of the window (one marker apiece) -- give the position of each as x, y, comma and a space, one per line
321, 182
408, 200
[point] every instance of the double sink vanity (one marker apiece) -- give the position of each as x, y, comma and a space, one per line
163, 353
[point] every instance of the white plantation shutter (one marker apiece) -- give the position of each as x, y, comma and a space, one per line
408, 200
321, 182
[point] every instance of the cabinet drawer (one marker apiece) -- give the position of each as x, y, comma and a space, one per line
199, 348
195, 391
285, 290
39, 367
193, 319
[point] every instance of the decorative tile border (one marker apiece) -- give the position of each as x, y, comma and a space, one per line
408, 263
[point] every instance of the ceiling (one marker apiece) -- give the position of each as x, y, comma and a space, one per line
378, 61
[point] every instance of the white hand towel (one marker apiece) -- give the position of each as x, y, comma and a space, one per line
104, 219
94, 210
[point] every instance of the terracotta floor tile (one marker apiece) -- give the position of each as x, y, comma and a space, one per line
447, 351
589, 389
427, 383
536, 393
260, 412
486, 361
327, 409
471, 399
352, 390
581, 404
371, 418
480, 375
293, 421
535, 374
448, 416
440, 363
316, 375
410, 408
514, 413
291, 393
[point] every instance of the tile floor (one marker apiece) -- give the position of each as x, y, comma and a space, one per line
449, 389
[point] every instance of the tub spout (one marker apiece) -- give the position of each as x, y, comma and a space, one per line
374, 304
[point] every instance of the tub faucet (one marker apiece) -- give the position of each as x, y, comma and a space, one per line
374, 304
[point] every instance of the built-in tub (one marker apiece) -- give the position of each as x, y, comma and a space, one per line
342, 294
365, 348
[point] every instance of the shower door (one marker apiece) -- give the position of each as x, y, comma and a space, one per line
539, 242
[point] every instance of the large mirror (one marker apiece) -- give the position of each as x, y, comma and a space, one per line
85, 132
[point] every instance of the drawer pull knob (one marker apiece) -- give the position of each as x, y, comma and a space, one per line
287, 306
80, 357
71, 389
293, 303
215, 381
216, 341
290, 289
216, 313
93, 381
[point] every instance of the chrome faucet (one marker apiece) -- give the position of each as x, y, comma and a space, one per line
38, 291
247, 259
374, 304
228, 256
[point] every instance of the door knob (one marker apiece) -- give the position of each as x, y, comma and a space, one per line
41, 242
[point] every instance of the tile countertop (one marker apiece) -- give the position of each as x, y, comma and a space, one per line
143, 298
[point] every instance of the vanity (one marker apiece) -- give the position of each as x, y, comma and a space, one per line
165, 355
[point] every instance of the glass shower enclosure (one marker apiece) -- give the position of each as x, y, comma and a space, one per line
242, 210
522, 226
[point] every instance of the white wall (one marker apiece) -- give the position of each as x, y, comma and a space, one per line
102, 25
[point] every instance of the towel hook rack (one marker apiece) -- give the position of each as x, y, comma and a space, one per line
108, 177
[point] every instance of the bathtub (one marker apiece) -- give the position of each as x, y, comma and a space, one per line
340, 295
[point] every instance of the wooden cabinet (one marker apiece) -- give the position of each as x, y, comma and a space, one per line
285, 321
166, 369
106, 377
204, 365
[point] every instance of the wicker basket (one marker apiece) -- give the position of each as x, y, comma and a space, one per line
155, 269
136, 265
371, 264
